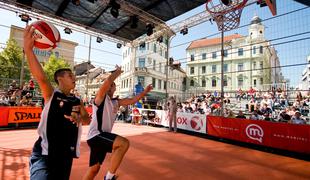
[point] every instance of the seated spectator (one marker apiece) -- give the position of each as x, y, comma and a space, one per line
252, 104
4, 101
24, 101
297, 119
241, 115
284, 116
254, 115
266, 112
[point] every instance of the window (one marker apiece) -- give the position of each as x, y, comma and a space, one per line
254, 65
154, 48
261, 64
261, 49
240, 81
225, 67
159, 84
225, 53
213, 82
153, 82
154, 64
141, 62
214, 55
225, 81
203, 69
240, 66
192, 71
240, 52
204, 56
165, 84
192, 83
141, 80
254, 83
213, 68
192, 57
142, 48
126, 83
254, 49
203, 83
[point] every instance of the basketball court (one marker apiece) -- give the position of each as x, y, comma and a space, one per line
157, 154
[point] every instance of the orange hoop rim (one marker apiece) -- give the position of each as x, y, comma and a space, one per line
232, 8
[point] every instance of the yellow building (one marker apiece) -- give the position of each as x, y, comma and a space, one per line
249, 61
65, 48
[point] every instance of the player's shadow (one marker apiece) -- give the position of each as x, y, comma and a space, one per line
14, 163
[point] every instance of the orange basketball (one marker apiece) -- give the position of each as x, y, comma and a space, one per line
49, 35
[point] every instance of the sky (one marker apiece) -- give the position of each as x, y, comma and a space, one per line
291, 21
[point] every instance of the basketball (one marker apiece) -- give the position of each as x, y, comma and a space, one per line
49, 35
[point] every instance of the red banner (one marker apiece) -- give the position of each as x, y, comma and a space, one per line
291, 137
4, 111
24, 114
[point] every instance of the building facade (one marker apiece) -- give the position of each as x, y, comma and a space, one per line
305, 79
146, 63
65, 48
249, 61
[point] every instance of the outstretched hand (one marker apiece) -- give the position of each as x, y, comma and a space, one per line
74, 118
149, 88
29, 37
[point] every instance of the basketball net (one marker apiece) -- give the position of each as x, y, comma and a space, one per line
227, 17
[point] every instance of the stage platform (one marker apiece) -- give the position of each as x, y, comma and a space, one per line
156, 154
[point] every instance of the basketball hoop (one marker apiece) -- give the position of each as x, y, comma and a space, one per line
227, 16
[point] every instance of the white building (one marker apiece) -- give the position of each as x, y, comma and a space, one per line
248, 61
146, 63
305, 80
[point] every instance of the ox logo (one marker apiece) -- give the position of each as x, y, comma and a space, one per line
255, 132
196, 123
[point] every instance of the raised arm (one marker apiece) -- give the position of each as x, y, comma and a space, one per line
34, 65
128, 101
106, 85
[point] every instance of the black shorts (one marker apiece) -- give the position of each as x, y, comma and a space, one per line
99, 146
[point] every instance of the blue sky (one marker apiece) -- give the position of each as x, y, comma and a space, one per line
278, 27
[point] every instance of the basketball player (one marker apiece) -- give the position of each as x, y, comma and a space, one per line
100, 138
59, 129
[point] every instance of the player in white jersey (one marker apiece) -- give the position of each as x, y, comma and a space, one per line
59, 138
100, 138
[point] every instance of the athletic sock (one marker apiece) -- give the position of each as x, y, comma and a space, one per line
109, 175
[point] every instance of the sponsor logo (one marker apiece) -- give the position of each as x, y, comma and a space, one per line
26, 116
255, 132
182, 120
196, 123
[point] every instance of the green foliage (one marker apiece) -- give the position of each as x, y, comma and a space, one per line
52, 65
11, 61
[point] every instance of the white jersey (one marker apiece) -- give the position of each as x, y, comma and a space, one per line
103, 117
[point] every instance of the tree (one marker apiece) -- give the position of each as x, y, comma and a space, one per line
11, 60
52, 65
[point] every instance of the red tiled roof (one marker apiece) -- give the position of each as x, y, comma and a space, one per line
214, 41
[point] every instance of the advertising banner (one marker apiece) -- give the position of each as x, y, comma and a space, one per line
24, 114
4, 116
292, 137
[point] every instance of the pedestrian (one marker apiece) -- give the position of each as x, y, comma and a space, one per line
59, 128
172, 113
100, 139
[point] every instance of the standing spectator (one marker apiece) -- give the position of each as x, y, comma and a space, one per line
31, 85
172, 111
